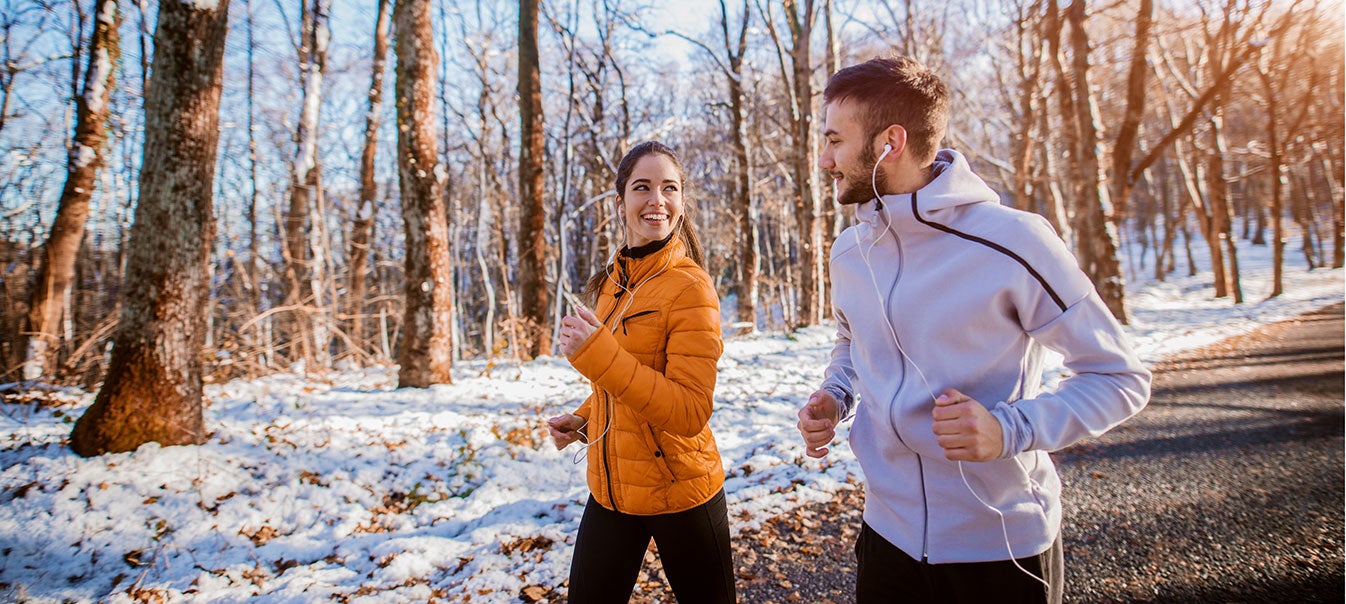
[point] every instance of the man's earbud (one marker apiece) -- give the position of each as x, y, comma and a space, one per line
886, 150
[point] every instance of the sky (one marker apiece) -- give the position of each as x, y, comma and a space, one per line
339, 485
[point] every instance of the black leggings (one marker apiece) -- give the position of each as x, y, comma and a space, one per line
887, 574
693, 546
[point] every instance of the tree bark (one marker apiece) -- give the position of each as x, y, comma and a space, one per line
1217, 201
425, 351
801, 19
1125, 145
1029, 55
749, 260
152, 392
1098, 246
86, 158
312, 332
362, 230
533, 294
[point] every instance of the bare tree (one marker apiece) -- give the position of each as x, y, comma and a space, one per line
730, 64
1125, 143
1275, 67
533, 295
362, 229
425, 351
1098, 243
152, 392
800, 17
305, 257
86, 158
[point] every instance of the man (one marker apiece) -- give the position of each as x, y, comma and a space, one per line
945, 303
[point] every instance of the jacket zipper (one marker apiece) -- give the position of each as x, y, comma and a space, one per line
610, 415
607, 469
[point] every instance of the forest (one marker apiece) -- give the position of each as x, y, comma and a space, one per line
199, 190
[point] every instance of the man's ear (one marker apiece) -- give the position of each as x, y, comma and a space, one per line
896, 136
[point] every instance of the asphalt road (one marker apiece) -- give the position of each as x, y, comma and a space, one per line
1227, 488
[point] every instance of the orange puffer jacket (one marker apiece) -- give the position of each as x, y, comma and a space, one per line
653, 375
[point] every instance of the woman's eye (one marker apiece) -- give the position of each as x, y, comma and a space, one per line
671, 188
641, 188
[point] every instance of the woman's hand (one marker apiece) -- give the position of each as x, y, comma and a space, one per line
565, 429
577, 328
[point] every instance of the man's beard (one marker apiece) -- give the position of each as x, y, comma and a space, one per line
858, 185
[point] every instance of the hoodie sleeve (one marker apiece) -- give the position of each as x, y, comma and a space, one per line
679, 399
1109, 385
840, 374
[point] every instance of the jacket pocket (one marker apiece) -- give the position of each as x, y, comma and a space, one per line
660, 457
643, 313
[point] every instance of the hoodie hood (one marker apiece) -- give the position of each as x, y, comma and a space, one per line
954, 184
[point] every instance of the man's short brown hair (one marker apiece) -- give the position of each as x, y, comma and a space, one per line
898, 91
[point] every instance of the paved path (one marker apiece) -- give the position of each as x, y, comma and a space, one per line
1228, 487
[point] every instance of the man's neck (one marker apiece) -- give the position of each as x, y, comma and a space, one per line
909, 179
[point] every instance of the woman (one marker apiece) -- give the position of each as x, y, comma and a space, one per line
649, 347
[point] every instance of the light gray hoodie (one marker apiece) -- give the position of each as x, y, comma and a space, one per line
974, 291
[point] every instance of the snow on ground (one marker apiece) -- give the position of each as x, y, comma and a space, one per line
341, 487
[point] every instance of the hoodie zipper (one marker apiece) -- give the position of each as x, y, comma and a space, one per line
920, 464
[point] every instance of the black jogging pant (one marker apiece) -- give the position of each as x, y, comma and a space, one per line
887, 574
693, 546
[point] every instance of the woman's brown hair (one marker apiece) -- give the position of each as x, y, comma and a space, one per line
686, 232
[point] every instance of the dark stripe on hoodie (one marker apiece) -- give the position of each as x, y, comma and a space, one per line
915, 211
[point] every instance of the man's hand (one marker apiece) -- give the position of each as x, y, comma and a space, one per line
565, 429
818, 423
965, 429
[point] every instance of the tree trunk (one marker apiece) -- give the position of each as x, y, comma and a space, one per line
152, 392
1277, 181
426, 348
1338, 211
363, 229
1098, 243
1070, 129
86, 158
749, 262
1028, 50
305, 270
532, 219
805, 169
1125, 145
1217, 201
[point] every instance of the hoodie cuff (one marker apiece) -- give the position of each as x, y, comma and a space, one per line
844, 399
1015, 432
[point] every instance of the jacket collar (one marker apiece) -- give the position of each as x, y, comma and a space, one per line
631, 271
